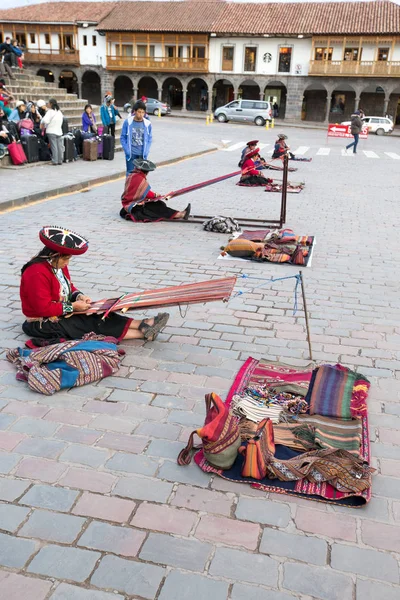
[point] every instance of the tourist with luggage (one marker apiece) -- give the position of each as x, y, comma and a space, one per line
42, 108
109, 114
52, 124
136, 136
36, 118
19, 111
89, 120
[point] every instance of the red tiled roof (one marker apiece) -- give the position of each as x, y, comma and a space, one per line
58, 12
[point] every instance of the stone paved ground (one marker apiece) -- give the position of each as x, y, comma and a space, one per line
93, 504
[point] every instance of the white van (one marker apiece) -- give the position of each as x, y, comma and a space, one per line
256, 111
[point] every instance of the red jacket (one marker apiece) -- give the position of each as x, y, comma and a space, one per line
137, 190
248, 167
40, 291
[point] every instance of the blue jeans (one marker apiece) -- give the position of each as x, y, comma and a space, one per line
355, 143
129, 163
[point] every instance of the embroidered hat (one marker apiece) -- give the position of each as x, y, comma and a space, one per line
144, 165
252, 143
63, 241
282, 136
253, 153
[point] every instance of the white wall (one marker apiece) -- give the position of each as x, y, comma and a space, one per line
90, 54
301, 54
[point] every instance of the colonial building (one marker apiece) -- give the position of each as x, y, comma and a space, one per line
318, 61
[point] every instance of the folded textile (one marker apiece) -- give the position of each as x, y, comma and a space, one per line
246, 406
336, 391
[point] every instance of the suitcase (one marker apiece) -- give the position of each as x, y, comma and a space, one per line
100, 130
69, 148
64, 126
31, 147
108, 147
16, 153
99, 147
90, 149
44, 150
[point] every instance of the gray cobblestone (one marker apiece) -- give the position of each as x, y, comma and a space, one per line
38, 447
298, 547
53, 527
372, 590
8, 462
141, 488
165, 431
175, 552
128, 576
243, 566
246, 592
130, 463
10, 489
53, 498
14, 552
6, 420
66, 591
125, 541
35, 427
84, 455
318, 582
62, 562
12, 516
369, 563
181, 586
188, 474
263, 511
164, 448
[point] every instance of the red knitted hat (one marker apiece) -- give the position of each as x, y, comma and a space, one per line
63, 241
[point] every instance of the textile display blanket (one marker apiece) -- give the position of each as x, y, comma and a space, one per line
275, 186
68, 364
306, 462
276, 246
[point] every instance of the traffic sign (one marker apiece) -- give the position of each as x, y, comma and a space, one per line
344, 131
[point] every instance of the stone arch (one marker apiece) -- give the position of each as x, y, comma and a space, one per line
48, 75
172, 92
249, 90
276, 92
91, 87
223, 91
147, 86
393, 104
343, 100
68, 81
373, 99
314, 106
123, 90
197, 94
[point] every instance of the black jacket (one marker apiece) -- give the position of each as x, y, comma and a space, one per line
356, 124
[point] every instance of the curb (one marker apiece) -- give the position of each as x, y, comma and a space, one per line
76, 187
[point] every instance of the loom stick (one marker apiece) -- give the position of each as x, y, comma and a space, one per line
198, 186
306, 314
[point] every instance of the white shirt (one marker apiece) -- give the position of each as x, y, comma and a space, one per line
53, 121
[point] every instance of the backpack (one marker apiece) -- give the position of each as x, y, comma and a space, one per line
221, 224
67, 364
25, 124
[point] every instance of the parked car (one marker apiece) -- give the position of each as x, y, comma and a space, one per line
154, 106
256, 111
378, 125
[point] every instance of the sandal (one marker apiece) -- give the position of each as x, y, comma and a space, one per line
150, 332
187, 212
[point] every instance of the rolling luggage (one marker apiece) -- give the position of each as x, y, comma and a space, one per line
16, 153
90, 149
31, 147
100, 130
99, 147
69, 148
44, 150
108, 147
64, 126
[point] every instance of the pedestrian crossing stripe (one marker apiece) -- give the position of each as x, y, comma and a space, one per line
370, 154
238, 146
261, 146
301, 150
323, 151
393, 155
345, 153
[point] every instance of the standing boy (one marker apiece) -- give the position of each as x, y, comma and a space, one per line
136, 136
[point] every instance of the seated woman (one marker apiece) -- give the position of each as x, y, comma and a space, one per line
250, 174
35, 117
281, 148
89, 120
139, 203
52, 304
250, 146
5, 135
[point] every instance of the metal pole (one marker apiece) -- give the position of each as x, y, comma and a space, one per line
284, 188
306, 314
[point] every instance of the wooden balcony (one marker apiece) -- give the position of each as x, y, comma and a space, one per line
348, 68
52, 57
143, 63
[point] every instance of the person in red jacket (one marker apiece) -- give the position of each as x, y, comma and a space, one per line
139, 203
250, 174
53, 306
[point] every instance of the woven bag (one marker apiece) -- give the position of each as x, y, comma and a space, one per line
259, 451
220, 436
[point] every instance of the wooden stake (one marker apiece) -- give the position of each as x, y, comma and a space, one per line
306, 314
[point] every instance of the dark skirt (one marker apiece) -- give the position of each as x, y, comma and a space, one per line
253, 180
76, 326
150, 211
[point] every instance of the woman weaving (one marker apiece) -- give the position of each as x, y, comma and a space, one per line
140, 203
53, 306
250, 173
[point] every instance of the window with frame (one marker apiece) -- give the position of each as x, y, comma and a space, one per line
323, 53
250, 58
352, 54
285, 59
21, 39
198, 52
383, 54
94, 40
228, 53
47, 39
85, 40
32, 37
